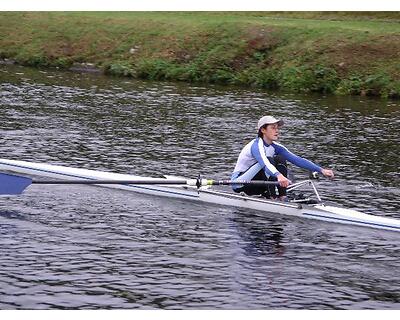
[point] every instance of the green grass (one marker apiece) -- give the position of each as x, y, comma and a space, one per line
334, 52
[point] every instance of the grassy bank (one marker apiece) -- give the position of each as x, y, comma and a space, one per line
341, 53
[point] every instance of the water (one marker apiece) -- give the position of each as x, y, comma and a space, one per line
67, 247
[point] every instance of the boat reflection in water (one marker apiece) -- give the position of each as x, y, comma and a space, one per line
260, 235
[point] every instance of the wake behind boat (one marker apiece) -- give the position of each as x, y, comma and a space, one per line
197, 190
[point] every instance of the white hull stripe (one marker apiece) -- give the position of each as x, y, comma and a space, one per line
353, 221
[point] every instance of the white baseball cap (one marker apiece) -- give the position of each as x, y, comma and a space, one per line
268, 120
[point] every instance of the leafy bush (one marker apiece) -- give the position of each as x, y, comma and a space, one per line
325, 79
119, 68
258, 77
33, 60
153, 69
377, 84
350, 86
62, 63
373, 85
306, 79
394, 89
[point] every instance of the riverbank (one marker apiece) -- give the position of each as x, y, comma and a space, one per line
339, 53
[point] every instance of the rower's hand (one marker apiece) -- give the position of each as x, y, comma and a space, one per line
328, 173
283, 181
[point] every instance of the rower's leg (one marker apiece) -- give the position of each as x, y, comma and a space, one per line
253, 173
280, 164
254, 189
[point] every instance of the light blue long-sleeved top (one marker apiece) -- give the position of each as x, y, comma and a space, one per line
257, 152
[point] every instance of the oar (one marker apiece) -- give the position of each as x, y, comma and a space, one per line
13, 184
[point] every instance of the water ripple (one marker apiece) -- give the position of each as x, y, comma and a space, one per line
78, 247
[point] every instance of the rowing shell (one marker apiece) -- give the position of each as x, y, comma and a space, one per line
204, 194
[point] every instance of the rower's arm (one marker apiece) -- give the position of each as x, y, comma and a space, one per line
297, 160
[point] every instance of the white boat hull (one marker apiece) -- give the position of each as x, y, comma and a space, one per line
316, 212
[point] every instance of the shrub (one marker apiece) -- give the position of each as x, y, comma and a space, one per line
258, 77
306, 79
153, 69
119, 68
350, 86
33, 60
394, 89
373, 85
63, 63
377, 84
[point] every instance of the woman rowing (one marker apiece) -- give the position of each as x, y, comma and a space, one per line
265, 159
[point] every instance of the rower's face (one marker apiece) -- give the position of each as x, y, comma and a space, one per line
271, 132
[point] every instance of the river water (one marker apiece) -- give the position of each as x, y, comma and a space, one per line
82, 247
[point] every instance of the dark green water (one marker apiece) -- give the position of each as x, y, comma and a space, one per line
85, 247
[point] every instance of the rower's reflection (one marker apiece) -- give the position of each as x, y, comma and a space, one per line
260, 235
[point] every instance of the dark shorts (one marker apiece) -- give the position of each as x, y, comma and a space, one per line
267, 190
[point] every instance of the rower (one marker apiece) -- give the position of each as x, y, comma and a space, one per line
265, 159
